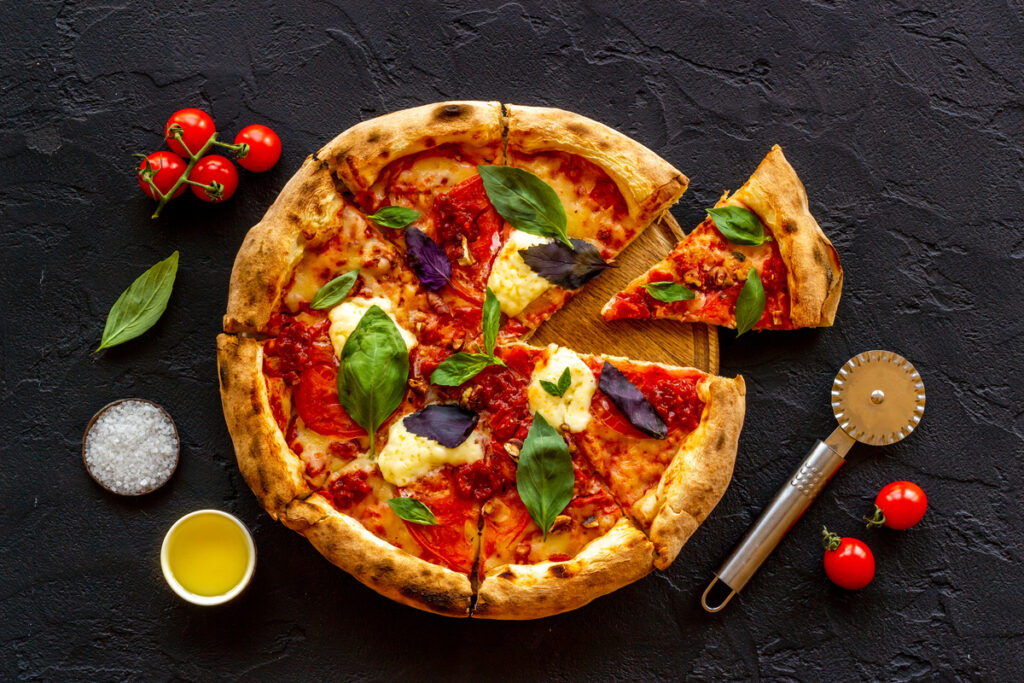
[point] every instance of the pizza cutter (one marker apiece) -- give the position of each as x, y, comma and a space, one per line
878, 399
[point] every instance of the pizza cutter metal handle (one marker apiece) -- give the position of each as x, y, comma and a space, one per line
785, 509
878, 399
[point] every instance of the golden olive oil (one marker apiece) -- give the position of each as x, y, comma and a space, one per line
208, 554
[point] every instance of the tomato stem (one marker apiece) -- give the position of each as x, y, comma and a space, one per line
829, 540
876, 520
175, 132
241, 150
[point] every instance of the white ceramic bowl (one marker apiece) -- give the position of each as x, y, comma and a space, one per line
208, 599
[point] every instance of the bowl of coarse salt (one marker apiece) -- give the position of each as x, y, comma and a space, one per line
130, 447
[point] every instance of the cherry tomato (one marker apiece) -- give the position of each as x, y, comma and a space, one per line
196, 128
214, 169
264, 148
899, 505
169, 167
316, 401
848, 561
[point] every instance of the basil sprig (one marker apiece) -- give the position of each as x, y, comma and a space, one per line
373, 372
395, 217
568, 267
564, 381
750, 304
525, 201
463, 366
334, 291
739, 226
669, 292
544, 475
412, 510
141, 305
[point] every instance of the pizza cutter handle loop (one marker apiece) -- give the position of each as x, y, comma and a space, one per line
781, 514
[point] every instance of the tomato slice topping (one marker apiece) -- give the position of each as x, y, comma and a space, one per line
611, 417
452, 540
316, 400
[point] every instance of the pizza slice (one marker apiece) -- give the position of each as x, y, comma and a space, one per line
758, 261
414, 174
610, 188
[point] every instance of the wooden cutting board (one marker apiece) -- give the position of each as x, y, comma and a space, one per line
579, 325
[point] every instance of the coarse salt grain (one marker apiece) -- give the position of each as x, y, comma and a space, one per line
132, 447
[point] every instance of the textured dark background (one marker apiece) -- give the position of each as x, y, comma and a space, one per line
905, 125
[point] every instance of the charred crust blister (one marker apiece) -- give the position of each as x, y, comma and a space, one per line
449, 111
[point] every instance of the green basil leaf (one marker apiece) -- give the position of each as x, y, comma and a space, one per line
750, 304
525, 201
373, 373
141, 305
396, 217
669, 292
491, 321
544, 475
564, 381
334, 291
412, 510
460, 367
739, 226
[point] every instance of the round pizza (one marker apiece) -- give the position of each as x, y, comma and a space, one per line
381, 394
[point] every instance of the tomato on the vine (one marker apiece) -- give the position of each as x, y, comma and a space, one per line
196, 128
899, 505
217, 171
848, 561
264, 148
166, 168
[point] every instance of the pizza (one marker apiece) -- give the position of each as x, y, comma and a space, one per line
758, 261
382, 397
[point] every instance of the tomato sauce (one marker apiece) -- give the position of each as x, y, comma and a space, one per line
348, 489
296, 347
672, 394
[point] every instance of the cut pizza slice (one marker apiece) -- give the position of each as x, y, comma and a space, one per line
758, 261
611, 189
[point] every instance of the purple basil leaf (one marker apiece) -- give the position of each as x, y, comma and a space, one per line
448, 424
428, 259
631, 402
565, 267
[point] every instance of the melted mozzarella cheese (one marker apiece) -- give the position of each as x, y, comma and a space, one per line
512, 281
440, 172
346, 315
408, 456
572, 408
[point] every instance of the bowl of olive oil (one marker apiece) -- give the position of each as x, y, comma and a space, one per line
208, 557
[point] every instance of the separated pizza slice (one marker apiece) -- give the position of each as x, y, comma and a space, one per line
758, 261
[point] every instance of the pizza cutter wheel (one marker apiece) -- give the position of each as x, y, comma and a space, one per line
878, 399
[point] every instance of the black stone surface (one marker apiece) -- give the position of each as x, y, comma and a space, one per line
904, 123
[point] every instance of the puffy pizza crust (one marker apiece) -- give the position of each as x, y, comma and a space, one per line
376, 563
305, 213
700, 471
517, 591
815, 279
360, 153
269, 467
